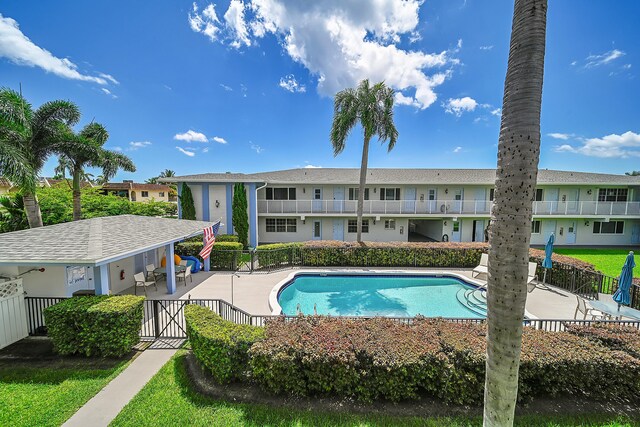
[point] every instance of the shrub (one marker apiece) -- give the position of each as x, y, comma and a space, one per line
186, 202
617, 337
279, 254
224, 256
227, 238
95, 325
220, 346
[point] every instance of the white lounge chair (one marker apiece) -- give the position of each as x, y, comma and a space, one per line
186, 273
483, 267
142, 282
531, 276
149, 269
588, 311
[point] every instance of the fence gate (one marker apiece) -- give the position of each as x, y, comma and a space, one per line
13, 316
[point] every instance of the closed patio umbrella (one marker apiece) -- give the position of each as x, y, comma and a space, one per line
622, 295
548, 253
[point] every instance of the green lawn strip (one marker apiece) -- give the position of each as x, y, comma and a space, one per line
170, 398
608, 261
48, 396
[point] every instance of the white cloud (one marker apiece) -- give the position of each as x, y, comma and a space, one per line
205, 150
603, 59
290, 83
339, 42
191, 136
256, 148
134, 145
109, 77
108, 92
563, 136
496, 112
186, 152
626, 66
225, 87
117, 148
457, 149
610, 146
20, 50
312, 167
400, 99
219, 140
458, 106
489, 47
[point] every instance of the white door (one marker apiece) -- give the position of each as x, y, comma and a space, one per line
479, 231
571, 233
409, 200
317, 200
338, 199
548, 227
13, 316
78, 278
457, 204
338, 229
480, 202
552, 196
317, 230
456, 233
431, 200
573, 196
635, 234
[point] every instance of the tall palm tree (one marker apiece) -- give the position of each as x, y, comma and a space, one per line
167, 173
372, 107
510, 229
60, 170
88, 151
28, 138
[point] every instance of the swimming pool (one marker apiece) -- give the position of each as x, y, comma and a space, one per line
390, 295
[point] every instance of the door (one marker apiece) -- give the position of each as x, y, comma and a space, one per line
552, 197
457, 201
317, 200
431, 200
571, 233
338, 199
13, 316
456, 233
480, 201
548, 227
478, 230
409, 200
317, 230
635, 234
338, 229
573, 197
77, 278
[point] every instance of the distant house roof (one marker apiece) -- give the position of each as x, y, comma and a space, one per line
94, 241
403, 176
114, 186
53, 182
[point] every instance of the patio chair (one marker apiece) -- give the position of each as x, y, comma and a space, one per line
149, 270
141, 281
483, 267
531, 276
186, 273
183, 263
588, 311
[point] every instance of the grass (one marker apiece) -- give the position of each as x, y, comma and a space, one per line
48, 396
609, 261
169, 397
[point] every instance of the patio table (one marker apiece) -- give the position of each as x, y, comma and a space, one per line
163, 270
611, 308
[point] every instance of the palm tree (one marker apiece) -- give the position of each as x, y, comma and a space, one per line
372, 107
60, 170
167, 173
28, 138
88, 151
510, 229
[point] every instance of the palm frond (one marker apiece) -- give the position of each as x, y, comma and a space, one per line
112, 161
14, 108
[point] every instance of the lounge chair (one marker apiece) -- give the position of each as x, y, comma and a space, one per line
149, 269
483, 267
588, 311
531, 276
141, 281
186, 273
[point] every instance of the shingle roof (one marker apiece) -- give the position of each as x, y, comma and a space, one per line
134, 186
93, 241
402, 176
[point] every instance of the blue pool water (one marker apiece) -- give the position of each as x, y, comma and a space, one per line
376, 295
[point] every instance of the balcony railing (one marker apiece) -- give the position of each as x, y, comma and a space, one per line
442, 207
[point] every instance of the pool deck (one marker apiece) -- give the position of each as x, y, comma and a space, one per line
251, 291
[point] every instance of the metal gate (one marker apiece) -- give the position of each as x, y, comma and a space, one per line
13, 316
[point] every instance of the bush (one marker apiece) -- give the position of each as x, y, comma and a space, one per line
279, 254
224, 256
227, 238
95, 325
616, 337
220, 346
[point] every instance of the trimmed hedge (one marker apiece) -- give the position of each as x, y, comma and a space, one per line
278, 254
95, 325
617, 337
224, 256
227, 238
220, 346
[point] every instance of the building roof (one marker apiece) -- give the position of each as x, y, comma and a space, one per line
403, 176
53, 182
93, 241
134, 186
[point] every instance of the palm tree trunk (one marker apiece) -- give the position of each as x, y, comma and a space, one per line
363, 181
32, 209
510, 230
77, 207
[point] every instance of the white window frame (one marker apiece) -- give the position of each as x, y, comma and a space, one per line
352, 224
615, 232
389, 224
533, 227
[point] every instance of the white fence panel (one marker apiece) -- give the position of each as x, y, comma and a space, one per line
13, 316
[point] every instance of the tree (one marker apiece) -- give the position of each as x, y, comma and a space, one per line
239, 214
186, 203
28, 138
510, 229
372, 107
12, 216
632, 173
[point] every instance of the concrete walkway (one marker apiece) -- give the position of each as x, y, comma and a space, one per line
107, 404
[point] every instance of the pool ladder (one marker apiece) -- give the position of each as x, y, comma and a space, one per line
315, 309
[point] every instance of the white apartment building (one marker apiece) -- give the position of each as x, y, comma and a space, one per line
418, 205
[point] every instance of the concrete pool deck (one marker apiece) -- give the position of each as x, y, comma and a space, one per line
251, 291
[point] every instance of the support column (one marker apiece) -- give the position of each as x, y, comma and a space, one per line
229, 209
101, 279
179, 188
205, 202
171, 269
253, 215
206, 262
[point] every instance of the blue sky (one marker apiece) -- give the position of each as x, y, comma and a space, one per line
244, 87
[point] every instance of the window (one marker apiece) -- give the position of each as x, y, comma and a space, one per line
281, 225
491, 193
432, 194
539, 194
535, 227
353, 193
611, 227
161, 194
389, 224
145, 194
612, 194
352, 226
456, 226
282, 193
389, 194
317, 194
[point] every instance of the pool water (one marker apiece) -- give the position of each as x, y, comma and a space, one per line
376, 295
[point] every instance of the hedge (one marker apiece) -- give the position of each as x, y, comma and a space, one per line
220, 346
95, 325
278, 254
224, 256
617, 337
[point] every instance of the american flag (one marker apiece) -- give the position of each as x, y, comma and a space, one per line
209, 239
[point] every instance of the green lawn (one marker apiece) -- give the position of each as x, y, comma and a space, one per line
609, 261
48, 396
168, 397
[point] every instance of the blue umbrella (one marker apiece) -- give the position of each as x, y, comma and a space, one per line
622, 295
548, 253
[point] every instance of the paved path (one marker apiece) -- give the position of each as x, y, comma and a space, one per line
107, 404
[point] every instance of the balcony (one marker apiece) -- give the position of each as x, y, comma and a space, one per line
442, 207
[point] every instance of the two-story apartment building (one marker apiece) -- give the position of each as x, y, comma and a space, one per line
418, 205
138, 192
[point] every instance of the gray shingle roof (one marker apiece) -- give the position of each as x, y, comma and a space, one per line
93, 241
402, 176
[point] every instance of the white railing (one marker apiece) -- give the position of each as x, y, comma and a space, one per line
442, 207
